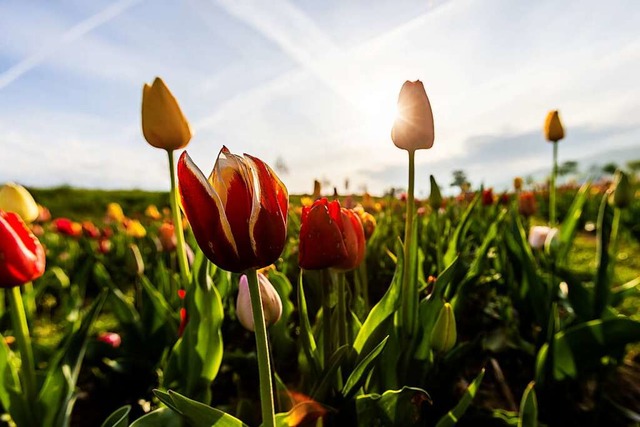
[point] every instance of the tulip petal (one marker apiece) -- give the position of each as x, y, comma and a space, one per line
22, 257
163, 123
232, 181
321, 241
206, 215
268, 221
353, 235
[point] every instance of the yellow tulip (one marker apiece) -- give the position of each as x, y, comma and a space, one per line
413, 128
553, 129
152, 212
114, 213
134, 228
16, 198
163, 124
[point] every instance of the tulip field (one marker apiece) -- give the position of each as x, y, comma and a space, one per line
229, 302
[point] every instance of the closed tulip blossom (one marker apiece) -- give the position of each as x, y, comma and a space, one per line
167, 237
67, 227
553, 129
16, 198
163, 123
527, 204
22, 257
238, 214
444, 334
487, 197
330, 236
413, 128
112, 339
271, 302
541, 236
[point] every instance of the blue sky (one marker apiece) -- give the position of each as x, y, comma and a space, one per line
315, 84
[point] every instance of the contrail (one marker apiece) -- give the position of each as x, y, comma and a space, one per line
71, 35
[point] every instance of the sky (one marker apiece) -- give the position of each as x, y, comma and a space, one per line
313, 85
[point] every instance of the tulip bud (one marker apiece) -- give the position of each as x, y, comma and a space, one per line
368, 221
271, 303
110, 338
443, 335
621, 193
541, 235
67, 227
114, 213
163, 124
553, 129
527, 203
152, 212
134, 228
517, 183
16, 198
487, 197
167, 237
435, 198
22, 257
413, 128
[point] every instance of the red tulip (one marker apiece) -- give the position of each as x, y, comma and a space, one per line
110, 338
238, 214
22, 257
330, 236
487, 197
67, 227
90, 230
353, 234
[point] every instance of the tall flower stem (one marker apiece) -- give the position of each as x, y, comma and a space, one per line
326, 315
409, 294
262, 350
177, 223
342, 310
552, 189
21, 332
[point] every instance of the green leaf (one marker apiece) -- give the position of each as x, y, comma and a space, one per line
57, 394
384, 309
458, 234
583, 346
329, 373
359, 374
623, 291
163, 313
454, 415
200, 415
118, 418
280, 333
528, 407
195, 359
164, 417
603, 278
11, 397
570, 223
306, 333
392, 408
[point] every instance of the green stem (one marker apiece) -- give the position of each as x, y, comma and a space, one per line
613, 242
21, 332
342, 310
552, 189
326, 316
262, 350
177, 223
409, 297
